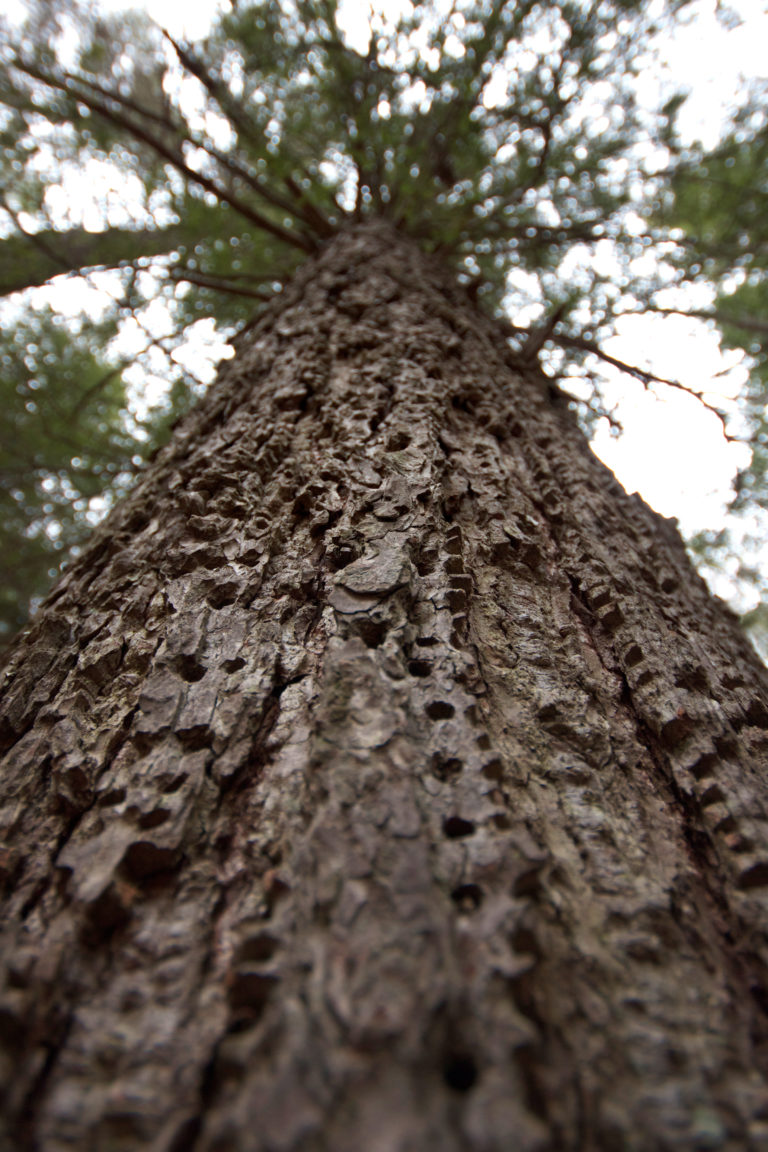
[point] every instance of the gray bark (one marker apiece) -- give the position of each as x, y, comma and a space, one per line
382, 776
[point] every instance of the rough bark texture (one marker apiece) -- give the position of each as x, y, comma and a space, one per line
382, 777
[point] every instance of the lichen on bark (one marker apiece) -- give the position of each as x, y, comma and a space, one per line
382, 776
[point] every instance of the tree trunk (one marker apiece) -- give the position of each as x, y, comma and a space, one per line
382, 778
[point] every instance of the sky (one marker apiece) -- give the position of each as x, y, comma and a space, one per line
672, 450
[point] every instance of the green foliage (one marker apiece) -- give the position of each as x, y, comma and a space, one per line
293, 130
717, 200
64, 440
715, 204
508, 137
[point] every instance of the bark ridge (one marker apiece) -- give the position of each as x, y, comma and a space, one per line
382, 776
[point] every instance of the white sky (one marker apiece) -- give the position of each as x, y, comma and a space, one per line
672, 451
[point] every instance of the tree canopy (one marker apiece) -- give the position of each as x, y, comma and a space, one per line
510, 138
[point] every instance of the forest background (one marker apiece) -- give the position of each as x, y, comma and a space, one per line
139, 171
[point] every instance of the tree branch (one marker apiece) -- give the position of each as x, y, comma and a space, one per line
172, 156
298, 206
217, 283
644, 375
748, 323
75, 250
581, 344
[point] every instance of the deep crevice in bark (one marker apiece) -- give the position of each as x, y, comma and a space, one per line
399, 724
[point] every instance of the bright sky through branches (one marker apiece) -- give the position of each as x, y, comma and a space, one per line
672, 450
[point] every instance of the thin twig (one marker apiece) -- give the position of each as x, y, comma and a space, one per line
748, 323
644, 375
101, 383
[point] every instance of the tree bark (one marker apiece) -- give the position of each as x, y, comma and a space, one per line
382, 776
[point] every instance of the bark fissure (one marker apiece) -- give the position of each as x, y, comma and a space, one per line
747, 969
376, 730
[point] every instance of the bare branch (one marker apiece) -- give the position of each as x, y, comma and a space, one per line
538, 336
